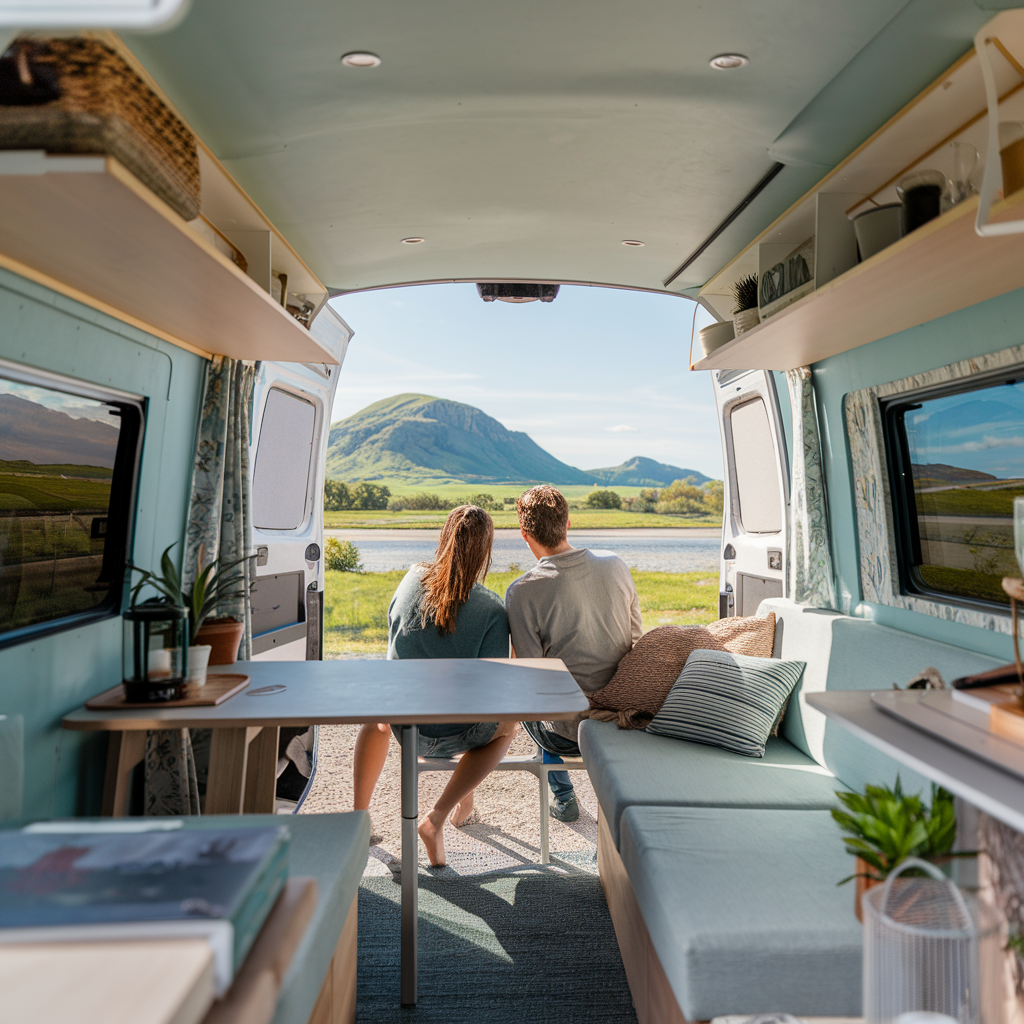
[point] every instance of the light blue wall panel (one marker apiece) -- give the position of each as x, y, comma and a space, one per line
43, 679
987, 327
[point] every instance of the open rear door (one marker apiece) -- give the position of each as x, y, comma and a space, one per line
290, 424
755, 523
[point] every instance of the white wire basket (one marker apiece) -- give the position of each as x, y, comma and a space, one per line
932, 955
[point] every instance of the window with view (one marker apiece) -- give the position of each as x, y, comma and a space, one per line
67, 475
957, 462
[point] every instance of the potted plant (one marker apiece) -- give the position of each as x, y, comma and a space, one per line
884, 827
745, 314
214, 641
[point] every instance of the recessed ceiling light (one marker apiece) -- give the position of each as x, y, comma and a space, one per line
411, 241
631, 241
360, 59
729, 61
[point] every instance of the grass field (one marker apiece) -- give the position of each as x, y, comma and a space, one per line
581, 520
967, 501
51, 493
356, 604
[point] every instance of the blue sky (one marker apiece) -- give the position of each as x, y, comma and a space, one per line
595, 377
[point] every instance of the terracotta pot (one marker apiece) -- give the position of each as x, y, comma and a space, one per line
863, 884
224, 636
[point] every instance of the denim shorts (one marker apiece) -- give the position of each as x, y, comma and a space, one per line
476, 735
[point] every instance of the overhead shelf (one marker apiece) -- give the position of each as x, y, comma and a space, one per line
87, 223
936, 270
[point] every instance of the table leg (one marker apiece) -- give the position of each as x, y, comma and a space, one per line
229, 754
410, 862
261, 772
125, 750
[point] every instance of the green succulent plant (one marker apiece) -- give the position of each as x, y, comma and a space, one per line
884, 827
215, 583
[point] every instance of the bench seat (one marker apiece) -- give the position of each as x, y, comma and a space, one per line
743, 910
332, 848
632, 768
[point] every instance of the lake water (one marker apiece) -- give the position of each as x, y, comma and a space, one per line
669, 550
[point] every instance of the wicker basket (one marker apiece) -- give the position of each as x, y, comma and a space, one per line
74, 95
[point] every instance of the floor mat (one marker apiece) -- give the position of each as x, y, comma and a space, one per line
526, 946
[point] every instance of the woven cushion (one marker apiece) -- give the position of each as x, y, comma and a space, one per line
727, 700
645, 675
91, 101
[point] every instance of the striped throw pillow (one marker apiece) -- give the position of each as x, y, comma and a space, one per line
727, 700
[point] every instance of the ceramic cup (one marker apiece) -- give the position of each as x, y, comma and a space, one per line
921, 194
715, 336
878, 228
1011, 155
198, 660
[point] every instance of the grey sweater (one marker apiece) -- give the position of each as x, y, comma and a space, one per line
481, 631
580, 606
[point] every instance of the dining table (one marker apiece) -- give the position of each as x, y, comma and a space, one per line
403, 693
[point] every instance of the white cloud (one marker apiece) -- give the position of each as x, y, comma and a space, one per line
623, 428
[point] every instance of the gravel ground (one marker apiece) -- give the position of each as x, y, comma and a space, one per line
504, 833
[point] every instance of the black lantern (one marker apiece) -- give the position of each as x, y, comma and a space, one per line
155, 652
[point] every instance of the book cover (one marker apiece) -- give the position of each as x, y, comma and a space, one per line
88, 879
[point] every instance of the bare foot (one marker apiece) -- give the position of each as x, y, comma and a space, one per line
463, 811
432, 835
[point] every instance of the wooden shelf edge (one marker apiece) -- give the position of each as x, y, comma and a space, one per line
754, 348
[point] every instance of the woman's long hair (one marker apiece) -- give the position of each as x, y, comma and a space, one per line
463, 558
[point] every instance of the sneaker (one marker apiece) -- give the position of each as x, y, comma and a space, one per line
565, 810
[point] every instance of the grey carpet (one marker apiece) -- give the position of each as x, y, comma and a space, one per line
526, 947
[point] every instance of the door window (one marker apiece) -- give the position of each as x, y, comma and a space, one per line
754, 464
284, 457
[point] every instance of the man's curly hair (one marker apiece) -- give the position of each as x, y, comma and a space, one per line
543, 514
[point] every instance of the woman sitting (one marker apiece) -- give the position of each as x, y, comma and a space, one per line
442, 610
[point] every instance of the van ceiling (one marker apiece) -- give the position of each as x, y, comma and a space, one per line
527, 140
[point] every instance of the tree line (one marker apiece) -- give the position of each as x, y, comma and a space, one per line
681, 497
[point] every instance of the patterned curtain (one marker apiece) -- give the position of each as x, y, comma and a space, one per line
219, 528
810, 569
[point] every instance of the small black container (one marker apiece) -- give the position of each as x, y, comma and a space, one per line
921, 195
155, 653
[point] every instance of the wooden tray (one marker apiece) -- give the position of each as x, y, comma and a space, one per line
219, 686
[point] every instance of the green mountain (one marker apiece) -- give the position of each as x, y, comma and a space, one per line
641, 472
418, 437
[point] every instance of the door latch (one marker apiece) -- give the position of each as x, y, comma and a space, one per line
775, 559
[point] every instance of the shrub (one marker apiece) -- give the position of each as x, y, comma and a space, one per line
337, 496
682, 497
645, 501
341, 556
714, 497
421, 502
508, 500
604, 499
370, 497
484, 501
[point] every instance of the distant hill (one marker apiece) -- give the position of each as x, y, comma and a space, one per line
641, 472
418, 437
30, 432
950, 474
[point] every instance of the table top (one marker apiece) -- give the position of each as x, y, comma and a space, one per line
993, 790
354, 691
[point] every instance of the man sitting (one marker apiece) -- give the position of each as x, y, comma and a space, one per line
574, 604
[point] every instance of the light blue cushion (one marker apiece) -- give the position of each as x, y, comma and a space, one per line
727, 700
332, 848
743, 909
631, 767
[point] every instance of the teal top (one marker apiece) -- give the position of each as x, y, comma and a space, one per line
481, 631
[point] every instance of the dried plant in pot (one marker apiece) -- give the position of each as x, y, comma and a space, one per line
215, 640
884, 827
745, 314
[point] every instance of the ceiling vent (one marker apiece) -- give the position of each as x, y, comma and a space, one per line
517, 292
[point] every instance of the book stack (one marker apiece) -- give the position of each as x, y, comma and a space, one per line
216, 883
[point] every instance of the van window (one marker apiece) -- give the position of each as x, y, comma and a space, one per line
283, 462
956, 464
755, 467
68, 462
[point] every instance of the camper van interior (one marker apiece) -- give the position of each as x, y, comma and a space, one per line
834, 190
